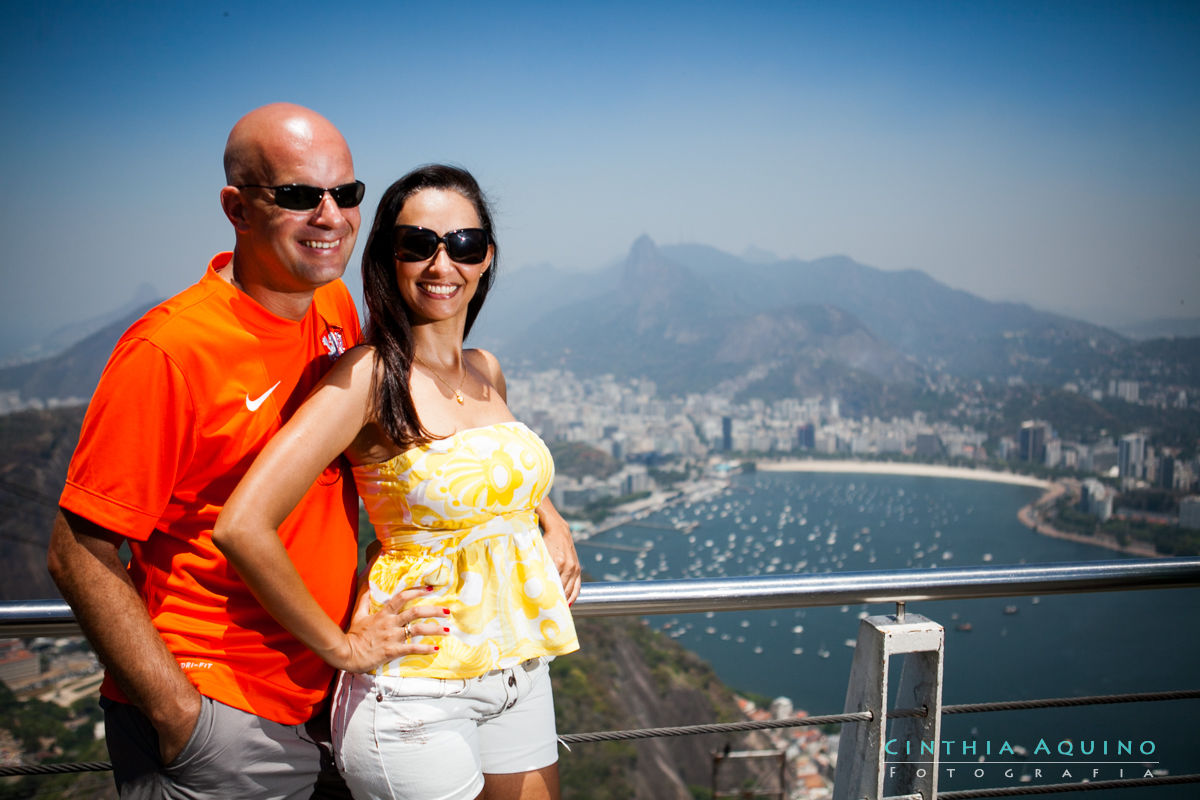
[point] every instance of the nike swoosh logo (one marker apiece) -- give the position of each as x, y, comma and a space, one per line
252, 405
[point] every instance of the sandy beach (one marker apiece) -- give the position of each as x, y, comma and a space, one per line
1031, 516
893, 468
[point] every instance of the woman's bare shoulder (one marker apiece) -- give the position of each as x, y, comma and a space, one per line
485, 362
489, 366
355, 364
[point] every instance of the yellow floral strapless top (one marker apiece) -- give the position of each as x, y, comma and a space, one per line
458, 514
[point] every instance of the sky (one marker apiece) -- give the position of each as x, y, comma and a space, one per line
1047, 153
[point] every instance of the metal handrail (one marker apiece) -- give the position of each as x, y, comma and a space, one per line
54, 618
24, 618
896, 586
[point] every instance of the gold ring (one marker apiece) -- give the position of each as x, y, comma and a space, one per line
407, 632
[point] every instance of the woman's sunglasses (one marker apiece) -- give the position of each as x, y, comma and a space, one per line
302, 197
466, 246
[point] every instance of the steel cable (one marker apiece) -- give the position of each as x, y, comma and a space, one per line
775, 724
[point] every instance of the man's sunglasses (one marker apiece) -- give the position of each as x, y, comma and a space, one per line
466, 246
302, 197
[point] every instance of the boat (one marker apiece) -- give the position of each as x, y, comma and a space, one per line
1010, 609
963, 626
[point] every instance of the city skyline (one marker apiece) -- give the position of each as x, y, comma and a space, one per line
1043, 153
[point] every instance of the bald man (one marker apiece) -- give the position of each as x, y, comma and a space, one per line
206, 695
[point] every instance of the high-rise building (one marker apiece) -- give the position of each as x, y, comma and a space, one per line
1126, 390
781, 708
1131, 455
17, 665
1189, 512
727, 433
635, 478
1031, 441
1070, 456
806, 436
1053, 453
1007, 448
1166, 472
928, 444
1095, 499
1103, 456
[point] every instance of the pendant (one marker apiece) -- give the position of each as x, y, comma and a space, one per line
458, 396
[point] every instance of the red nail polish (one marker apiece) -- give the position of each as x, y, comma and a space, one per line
445, 611
435, 647
429, 588
447, 630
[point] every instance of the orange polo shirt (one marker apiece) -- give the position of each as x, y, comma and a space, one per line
191, 394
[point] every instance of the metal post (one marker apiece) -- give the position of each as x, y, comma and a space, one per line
865, 748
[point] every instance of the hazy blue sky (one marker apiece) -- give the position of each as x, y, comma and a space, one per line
1043, 152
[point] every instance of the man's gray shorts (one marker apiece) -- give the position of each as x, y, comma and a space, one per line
231, 754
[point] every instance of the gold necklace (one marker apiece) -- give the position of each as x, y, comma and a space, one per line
458, 395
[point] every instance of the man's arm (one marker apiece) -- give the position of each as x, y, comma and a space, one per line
85, 564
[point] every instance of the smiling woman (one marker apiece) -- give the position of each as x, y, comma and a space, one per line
456, 489
438, 274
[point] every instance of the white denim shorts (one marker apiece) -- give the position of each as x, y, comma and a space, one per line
433, 739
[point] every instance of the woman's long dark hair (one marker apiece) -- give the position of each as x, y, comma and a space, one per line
389, 327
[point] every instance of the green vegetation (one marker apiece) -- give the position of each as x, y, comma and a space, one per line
579, 460
35, 437
666, 478
860, 393
598, 510
583, 703
48, 733
1151, 501
35, 447
627, 675
759, 700
1169, 540
1079, 418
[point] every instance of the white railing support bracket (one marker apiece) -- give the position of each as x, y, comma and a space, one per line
903, 761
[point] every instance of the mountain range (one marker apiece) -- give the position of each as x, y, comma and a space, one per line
61, 338
74, 372
691, 316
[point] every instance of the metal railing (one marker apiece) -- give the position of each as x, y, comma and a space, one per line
54, 618
898, 586
47, 617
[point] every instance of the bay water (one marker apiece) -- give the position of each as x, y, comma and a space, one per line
996, 649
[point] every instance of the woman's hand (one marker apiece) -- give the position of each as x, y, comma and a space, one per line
391, 632
559, 542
